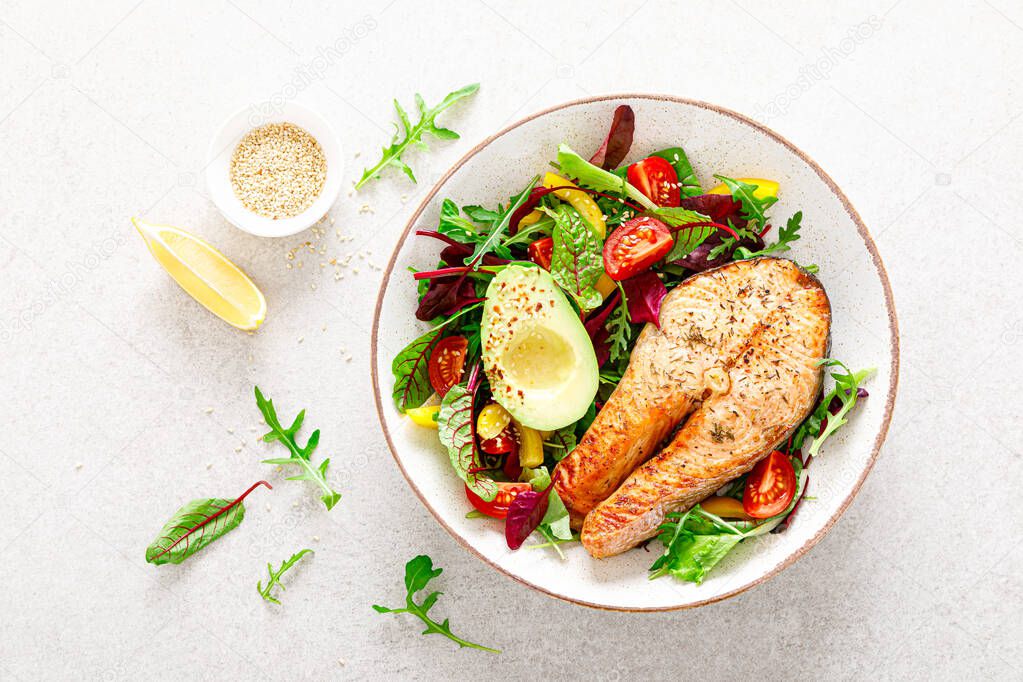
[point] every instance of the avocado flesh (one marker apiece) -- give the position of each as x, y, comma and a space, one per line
536, 352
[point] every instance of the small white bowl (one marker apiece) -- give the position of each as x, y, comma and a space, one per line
218, 169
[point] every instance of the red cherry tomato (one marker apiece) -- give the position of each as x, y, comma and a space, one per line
656, 178
499, 444
635, 246
446, 362
540, 252
770, 487
498, 507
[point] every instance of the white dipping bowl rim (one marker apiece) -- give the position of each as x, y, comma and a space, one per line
218, 169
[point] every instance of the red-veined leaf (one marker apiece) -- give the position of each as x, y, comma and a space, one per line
457, 431
410, 369
196, 525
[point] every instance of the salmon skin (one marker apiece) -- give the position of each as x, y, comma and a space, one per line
738, 350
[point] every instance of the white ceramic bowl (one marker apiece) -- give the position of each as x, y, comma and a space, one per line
864, 334
218, 165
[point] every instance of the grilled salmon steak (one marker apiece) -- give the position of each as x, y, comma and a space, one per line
737, 349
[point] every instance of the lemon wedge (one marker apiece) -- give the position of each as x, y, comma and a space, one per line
206, 274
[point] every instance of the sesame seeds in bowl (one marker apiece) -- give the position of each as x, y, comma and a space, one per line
275, 175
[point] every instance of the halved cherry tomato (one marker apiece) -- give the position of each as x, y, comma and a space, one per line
770, 486
446, 362
498, 507
540, 252
635, 246
499, 444
656, 178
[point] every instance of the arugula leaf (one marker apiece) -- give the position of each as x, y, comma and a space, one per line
455, 429
574, 166
493, 238
621, 331
786, 235
455, 226
275, 577
482, 215
676, 156
846, 393
418, 574
413, 134
195, 525
753, 209
577, 260
299, 455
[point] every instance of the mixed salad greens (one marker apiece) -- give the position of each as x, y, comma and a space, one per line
614, 239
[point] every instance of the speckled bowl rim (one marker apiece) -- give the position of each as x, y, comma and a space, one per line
893, 326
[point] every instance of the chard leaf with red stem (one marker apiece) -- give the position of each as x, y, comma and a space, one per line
300, 456
618, 141
577, 259
456, 428
196, 525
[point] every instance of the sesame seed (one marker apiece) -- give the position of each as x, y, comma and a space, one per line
278, 170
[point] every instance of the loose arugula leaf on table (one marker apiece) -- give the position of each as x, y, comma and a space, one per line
418, 574
275, 576
413, 134
753, 208
846, 393
786, 235
689, 184
574, 166
299, 456
457, 434
196, 525
577, 260
493, 238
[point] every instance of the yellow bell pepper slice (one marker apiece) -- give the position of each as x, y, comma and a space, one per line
579, 200
605, 286
530, 218
765, 188
530, 447
725, 507
424, 416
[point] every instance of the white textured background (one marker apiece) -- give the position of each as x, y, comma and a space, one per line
106, 109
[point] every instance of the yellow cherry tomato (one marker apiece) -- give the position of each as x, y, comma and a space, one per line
579, 200
424, 416
725, 507
492, 420
530, 447
765, 188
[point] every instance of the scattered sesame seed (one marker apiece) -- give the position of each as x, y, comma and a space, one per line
78, 465
316, 538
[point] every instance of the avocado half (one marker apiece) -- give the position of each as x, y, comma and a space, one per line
536, 352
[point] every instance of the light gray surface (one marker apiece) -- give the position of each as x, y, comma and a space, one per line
105, 112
